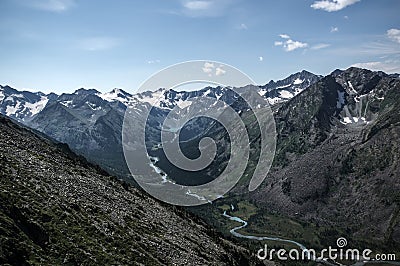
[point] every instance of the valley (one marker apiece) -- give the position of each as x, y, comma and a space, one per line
200, 132
56, 208
335, 171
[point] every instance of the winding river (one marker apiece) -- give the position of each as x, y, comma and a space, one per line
244, 223
233, 232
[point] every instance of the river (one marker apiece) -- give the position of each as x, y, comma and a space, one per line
244, 223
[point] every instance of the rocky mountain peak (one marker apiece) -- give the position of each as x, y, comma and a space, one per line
120, 93
83, 91
283, 90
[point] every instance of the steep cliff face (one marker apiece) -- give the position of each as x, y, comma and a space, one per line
56, 208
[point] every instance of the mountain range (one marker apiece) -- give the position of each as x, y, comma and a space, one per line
336, 166
90, 122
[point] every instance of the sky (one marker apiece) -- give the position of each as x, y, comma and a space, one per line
62, 45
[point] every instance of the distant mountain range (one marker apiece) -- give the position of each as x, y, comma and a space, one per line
24, 105
90, 122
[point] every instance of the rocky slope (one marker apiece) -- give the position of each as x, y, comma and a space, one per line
56, 208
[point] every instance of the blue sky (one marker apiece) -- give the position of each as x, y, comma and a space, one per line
62, 45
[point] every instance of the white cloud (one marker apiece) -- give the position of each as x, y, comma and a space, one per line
197, 5
260, 58
284, 36
394, 35
153, 61
389, 66
204, 8
242, 27
208, 65
333, 5
320, 46
208, 68
219, 71
52, 5
291, 45
288, 44
98, 43
334, 29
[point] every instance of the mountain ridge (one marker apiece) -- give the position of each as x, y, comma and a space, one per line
91, 122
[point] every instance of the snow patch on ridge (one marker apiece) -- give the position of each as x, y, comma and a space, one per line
35, 108
154, 97
183, 104
115, 95
353, 120
352, 90
66, 103
286, 94
11, 110
298, 81
274, 100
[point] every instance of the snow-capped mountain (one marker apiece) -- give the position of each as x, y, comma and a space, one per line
276, 92
90, 122
363, 93
283, 90
22, 105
